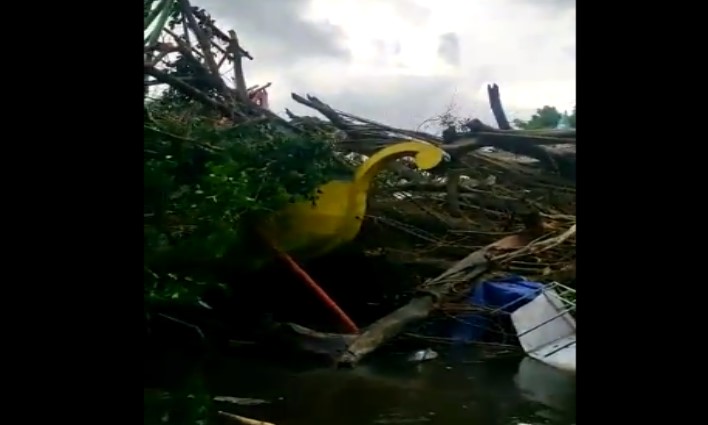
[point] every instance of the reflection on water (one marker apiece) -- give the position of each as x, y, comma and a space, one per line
388, 390
543, 384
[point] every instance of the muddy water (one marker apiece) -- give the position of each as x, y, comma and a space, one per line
458, 387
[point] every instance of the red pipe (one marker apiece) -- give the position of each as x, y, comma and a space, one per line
348, 323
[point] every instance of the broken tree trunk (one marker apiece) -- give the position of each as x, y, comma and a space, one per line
497, 108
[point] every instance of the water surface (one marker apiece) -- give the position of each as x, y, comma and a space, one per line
459, 387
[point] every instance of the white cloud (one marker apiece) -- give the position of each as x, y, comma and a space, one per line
527, 47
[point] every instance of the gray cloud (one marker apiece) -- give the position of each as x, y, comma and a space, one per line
275, 28
399, 102
449, 48
530, 59
404, 102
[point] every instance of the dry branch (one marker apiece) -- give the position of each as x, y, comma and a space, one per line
187, 89
465, 271
205, 43
366, 136
204, 20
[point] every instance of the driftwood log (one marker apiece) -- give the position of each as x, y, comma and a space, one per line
466, 271
348, 350
307, 340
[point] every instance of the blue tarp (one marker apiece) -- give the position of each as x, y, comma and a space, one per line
505, 294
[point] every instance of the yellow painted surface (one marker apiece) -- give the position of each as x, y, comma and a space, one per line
308, 230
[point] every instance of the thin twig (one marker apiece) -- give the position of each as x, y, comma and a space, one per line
189, 90
196, 328
183, 43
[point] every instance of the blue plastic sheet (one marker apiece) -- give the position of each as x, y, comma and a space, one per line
507, 294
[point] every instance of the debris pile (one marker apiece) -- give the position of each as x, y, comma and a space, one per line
504, 202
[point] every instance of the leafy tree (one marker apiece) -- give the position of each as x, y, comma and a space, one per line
544, 118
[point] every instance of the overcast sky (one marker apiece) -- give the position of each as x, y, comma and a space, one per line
402, 61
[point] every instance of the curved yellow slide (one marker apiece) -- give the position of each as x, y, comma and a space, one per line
308, 230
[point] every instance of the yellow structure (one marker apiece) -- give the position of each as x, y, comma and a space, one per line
310, 230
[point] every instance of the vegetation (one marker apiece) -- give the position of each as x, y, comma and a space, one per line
203, 183
544, 118
207, 179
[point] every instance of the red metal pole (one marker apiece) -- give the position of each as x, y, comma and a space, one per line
348, 323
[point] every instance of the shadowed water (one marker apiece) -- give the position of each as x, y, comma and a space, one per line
456, 388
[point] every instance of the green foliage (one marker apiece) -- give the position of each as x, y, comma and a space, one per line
205, 186
544, 118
